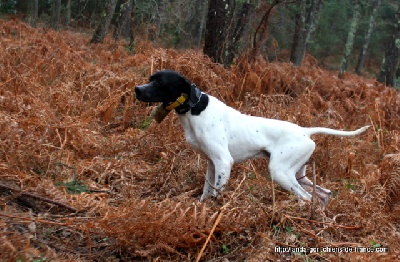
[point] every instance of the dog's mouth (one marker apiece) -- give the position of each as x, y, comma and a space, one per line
161, 111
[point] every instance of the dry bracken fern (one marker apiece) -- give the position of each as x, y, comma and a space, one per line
390, 178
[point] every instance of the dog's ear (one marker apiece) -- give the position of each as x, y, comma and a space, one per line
194, 95
186, 80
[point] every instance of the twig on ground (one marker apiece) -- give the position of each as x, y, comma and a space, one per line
221, 211
312, 216
41, 198
324, 223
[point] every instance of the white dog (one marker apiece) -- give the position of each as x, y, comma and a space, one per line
225, 136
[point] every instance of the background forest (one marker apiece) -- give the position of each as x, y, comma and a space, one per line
86, 175
345, 35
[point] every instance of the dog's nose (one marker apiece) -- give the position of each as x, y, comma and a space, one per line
138, 91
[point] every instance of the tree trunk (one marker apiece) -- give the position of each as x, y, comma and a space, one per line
132, 25
203, 14
218, 22
392, 57
297, 53
261, 33
105, 22
363, 52
68, 14
34, 13
238, 23
123, 20
314, 23
350, 38
305, 24
160, 16
55, 23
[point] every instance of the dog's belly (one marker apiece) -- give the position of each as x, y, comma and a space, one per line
240, 156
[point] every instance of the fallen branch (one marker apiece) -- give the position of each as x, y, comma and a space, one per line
37, 220
41, 198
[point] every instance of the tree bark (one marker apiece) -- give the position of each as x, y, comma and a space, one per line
123, 20
350, 38
55, 23
235, 30
371, 24
217, 28
203, 14
34, 13
160, 16
392, 57
305, 24
314, 23
68, 14
297, 53
131, 25
105, 22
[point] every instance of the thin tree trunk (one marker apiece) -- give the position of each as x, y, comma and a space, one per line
203, 15
392, 57
235, 32
55, 23
260, 35
105, 22
160, 12
68, 14
363, 52
132, 25
314, 23
34, 13
297, 53
350, 38
123, 19
305, 25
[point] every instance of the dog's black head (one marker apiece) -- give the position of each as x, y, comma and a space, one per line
167, 86
164, 86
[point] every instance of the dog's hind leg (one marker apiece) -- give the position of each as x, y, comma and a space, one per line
286, 160
322, 193
287, 180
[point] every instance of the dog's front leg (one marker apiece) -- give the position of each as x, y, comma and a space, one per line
217, 176
208, 189
223, 168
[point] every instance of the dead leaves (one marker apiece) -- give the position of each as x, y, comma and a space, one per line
68, 113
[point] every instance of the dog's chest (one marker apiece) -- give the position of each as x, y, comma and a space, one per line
196, 133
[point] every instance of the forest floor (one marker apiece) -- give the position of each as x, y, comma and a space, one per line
86, 175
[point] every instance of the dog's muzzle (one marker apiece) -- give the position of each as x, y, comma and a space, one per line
139, 91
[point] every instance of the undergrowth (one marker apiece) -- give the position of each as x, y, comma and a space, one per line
69, 123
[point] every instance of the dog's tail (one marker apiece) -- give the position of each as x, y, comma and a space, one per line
323, 130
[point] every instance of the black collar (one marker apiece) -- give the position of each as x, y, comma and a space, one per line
193, 98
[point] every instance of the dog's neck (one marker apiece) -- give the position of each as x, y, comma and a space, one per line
187, 102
